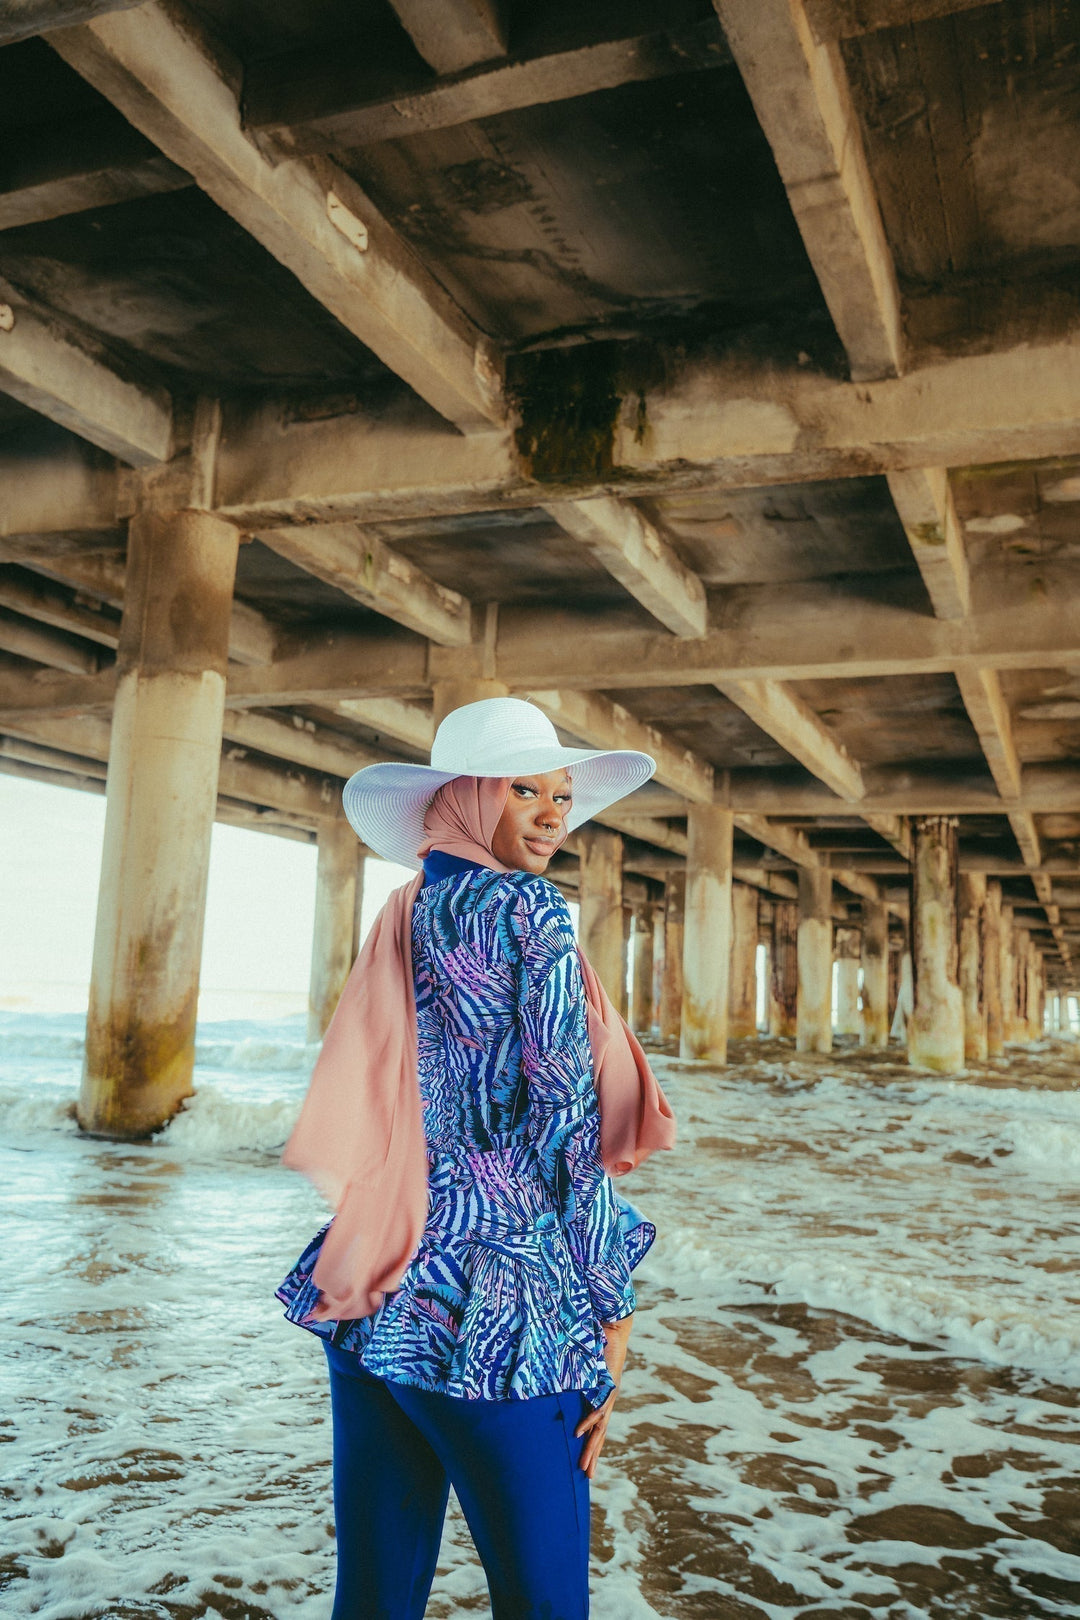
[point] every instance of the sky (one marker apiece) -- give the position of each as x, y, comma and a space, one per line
259, 914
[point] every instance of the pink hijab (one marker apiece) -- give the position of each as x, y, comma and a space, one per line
360, 1133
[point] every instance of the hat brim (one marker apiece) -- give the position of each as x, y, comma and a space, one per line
385, 804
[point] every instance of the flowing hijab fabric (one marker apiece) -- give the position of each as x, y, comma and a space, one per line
360, 1133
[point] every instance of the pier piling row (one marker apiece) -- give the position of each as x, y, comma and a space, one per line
707, 374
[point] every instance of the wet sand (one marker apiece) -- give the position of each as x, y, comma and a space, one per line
853, 1389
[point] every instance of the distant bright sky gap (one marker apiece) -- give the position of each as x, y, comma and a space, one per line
259, 915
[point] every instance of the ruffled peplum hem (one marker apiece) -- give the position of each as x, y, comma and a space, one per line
493, 1305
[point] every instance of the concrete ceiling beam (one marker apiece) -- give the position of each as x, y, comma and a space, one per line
21, 19
301, 791
47, 605
712, 423
335, 666
314, 105
253, 638
635, 552
391, 717
455, 34
788, 633
26, 639
94, 164
847, 19
64, 376
1026, 834
775, 633
596, 722
1047, 790
360, 565
782, 715
924, 502
988, 712
801, 96
28, 694
657, 833
156, 69
296, 739
925, 506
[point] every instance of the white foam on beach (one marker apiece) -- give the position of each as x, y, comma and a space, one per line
862, 1280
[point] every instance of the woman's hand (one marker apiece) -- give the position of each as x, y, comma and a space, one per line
617, 1337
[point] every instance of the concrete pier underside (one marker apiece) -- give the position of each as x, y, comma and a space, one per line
646, 366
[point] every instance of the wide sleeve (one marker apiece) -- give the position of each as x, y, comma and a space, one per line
563, 1111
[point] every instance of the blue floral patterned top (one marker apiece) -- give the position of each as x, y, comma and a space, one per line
527, 1248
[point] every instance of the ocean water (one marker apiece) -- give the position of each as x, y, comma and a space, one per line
854, 1383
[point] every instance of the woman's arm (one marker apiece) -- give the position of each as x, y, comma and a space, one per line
594, 1426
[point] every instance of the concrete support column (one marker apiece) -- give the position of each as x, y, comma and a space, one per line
1008, 976
659, 925
784, 969
454, 692
991, 958
161, 797
641, 987
1021, 952
707, 941
742, 998
1035, 993
905, 997
936, 1032
874, 1024
847, 950
671, 982
814, 1016
335, 923
896, 951
600, 923
358, 900
971, 904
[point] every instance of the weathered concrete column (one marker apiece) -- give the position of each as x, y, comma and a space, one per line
641, 973
600, 922
659, 958
905, 997
971, 905
1035, 993
671, 982
874, 1024
358, 899
707, 940
161, 797
454, 692
784, 969
742, 998
1023, 980
1008, 975
335, 922
936, 1031
847, 948
814, 1017
991, 957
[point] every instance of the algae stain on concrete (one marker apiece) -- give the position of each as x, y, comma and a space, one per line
570, 402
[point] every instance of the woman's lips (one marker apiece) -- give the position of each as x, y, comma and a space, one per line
540, 846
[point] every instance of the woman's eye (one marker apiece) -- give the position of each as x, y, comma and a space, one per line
524, 790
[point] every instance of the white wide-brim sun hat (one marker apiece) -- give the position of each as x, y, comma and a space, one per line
504, 736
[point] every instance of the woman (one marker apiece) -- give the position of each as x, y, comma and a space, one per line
473, 1290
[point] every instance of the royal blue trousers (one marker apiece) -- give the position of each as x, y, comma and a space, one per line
514, 1466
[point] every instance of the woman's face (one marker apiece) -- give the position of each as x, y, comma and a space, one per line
531, 826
